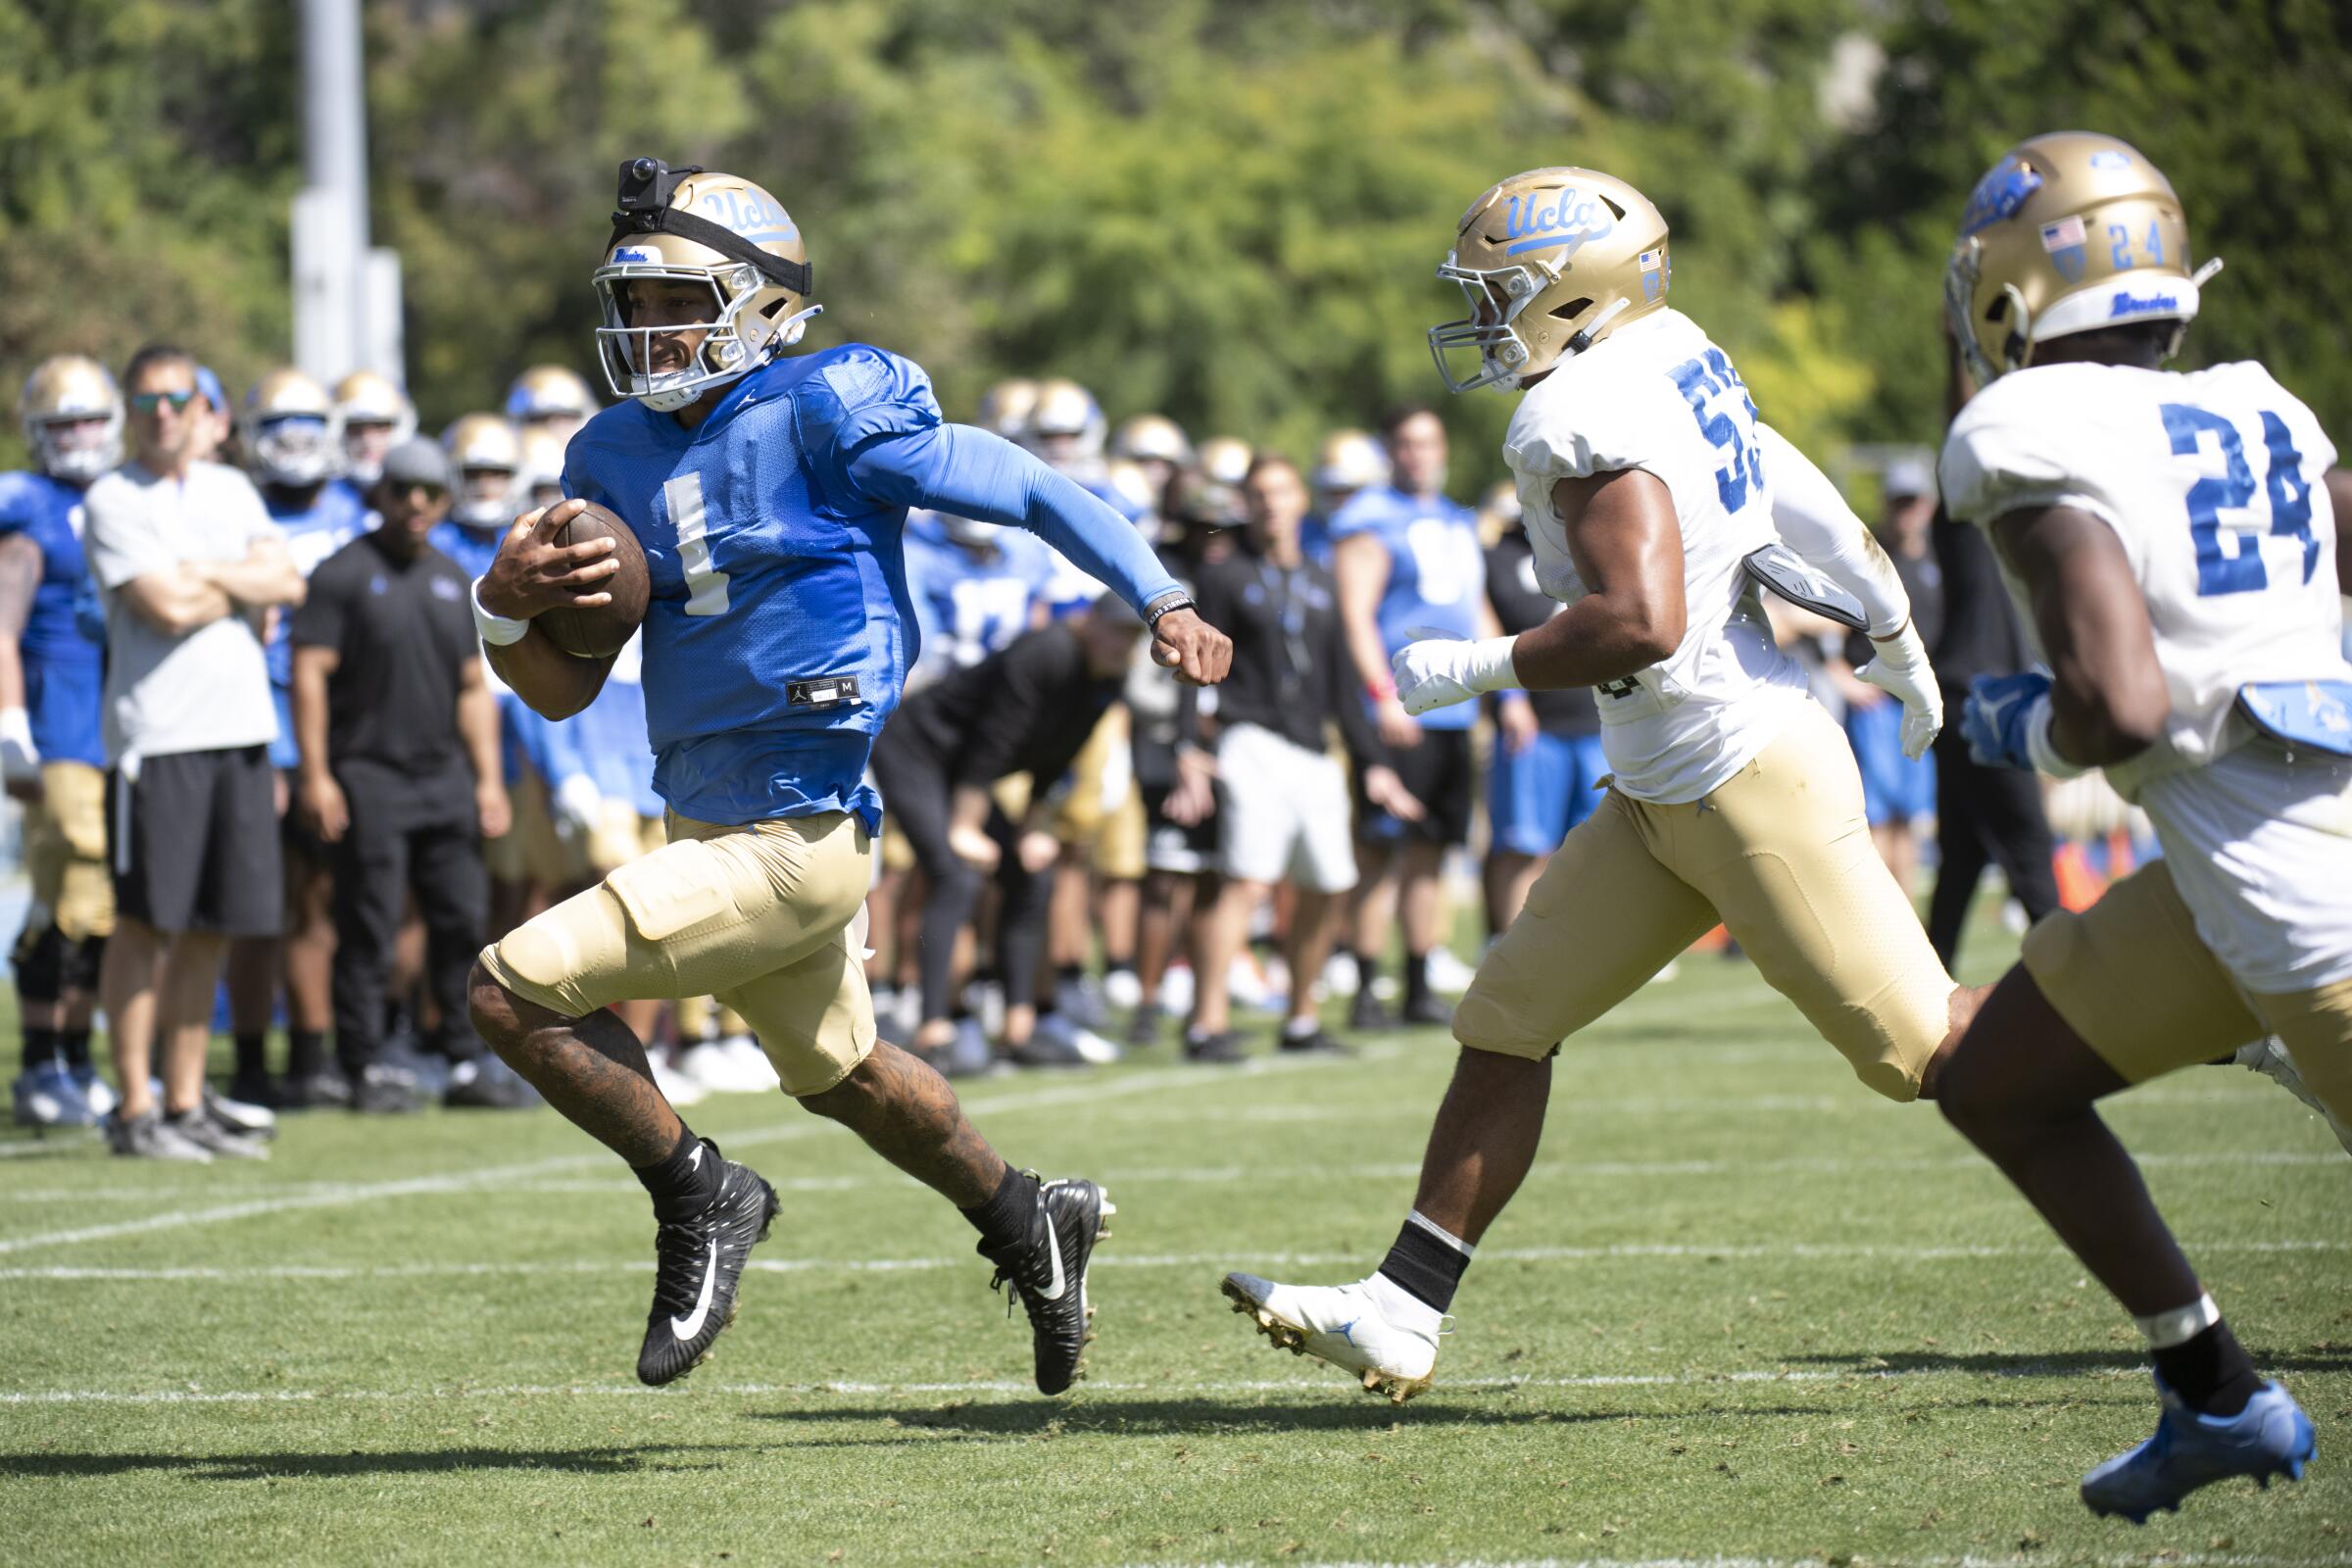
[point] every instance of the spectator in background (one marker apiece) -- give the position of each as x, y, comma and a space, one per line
1983, 815
1897, 790
1547, 767
188, 566
1279, 798
1407, 558
291, 452
51, 674
215, 434
401, 776
1348, 460
372, 416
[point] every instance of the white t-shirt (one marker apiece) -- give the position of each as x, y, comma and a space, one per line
2213, 481
208, 690
1658, 396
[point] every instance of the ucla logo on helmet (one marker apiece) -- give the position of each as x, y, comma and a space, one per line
753, 215
1570, 220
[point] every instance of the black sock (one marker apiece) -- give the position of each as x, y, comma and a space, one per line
1416, 978
40, 1048
1125, 966
684, 1184
74, 1045
1069, 974
1425, 1267
2210, 1371
1367, 970
1004, 1221
252, 1053
306, 1053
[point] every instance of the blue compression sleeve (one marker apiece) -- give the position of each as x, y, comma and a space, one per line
967, 473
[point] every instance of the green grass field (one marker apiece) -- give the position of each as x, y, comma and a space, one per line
1742, 1309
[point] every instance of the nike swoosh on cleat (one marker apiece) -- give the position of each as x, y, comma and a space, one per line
687, 1327
1054, 1246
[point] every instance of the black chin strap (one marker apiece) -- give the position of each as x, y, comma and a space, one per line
645, 187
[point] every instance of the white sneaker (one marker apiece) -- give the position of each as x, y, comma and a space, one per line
1122, 989
1448, 973
1076, 1040
1176, 990
2268, 1056
1339, 976
721, 1070
757, 1068
1247, 986
1370, 1328
675, 1086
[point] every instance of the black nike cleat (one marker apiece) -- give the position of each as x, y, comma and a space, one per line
697, 1264
1046, 1272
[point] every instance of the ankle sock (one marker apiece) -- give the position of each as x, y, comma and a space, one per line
683, 1184
73, 1044
1426, 1263
252, 1055
306, 1053
1416, 978
40, 1048
1004, 1221
2209, 1369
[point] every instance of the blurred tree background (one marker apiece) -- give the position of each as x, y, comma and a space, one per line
1229, 211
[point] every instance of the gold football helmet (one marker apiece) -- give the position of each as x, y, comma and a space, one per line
1152, 438
487, 452
72, 417
1551, 261
1226, 459
539, 479
1004, 408
2069, 232
551, 394
376, 416
1347, 461
1065, 424
718, 232
288, 431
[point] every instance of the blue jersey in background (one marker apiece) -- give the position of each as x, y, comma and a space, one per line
972, 603
65, 666
331, 520
1437, 571
472, 549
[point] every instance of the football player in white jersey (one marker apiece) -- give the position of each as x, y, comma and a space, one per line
1655, 501
2169, 536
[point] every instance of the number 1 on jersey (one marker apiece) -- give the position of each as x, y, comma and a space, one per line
705, 584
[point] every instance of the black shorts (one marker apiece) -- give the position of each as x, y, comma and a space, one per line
1171, 845
196, 842
1439, 774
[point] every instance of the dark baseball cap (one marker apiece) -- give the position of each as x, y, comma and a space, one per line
416, 461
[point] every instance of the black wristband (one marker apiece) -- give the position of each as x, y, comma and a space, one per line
1174, 599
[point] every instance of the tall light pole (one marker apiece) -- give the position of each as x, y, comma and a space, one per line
346, 296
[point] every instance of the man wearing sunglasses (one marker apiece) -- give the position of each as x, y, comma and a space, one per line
401, 777
188, 566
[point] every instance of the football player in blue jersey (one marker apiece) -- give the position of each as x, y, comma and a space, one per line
294, 451
373, 416
1408, 564
51, 676
975, 587
486, 450
770, 493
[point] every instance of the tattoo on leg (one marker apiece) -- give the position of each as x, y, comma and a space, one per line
592, 1069
906, 1113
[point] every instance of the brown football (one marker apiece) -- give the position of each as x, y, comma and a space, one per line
597, 631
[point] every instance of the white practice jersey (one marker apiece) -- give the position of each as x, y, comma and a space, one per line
1658, 396
2213, 481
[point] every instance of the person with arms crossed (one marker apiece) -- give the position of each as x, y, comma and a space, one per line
768, 492
2170, 540
189, 567
51, 676
1647, 484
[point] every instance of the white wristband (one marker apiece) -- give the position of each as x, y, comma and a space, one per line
2041, 748
499, 631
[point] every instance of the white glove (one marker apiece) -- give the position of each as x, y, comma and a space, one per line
578, 803
1439, 670
19, 759
1902, 672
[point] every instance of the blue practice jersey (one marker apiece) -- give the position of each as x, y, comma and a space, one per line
780, 629
336, 517
608, 736
968, 604
1314, 539
472, 549
65, 666
1437, 571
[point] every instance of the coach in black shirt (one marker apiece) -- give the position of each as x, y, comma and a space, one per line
1025, 710
401, 773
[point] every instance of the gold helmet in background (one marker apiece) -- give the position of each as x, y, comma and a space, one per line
288, 431
1551, 261
1004, 408
2069, 232
1152, 438
1226, 459
716, 231
1067, 415
1347, 461
486, 450
374, 416
72, 417
552, 393
539, 474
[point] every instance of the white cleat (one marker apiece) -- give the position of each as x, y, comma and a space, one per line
1371, 1328
2268, 1058
677, 1088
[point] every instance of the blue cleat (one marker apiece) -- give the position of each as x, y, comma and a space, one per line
48, 1096
2270, 1437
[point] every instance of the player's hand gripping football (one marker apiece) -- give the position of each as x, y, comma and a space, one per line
1196, 651
1902, 672
532, 573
